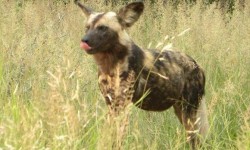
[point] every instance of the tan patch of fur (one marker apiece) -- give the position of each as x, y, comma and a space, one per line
128, 19
92, 18
105, 62
175, 69
124, 65
118, 92
104, 77
109, 19
124, 39
149, 60
160, 75
117, 80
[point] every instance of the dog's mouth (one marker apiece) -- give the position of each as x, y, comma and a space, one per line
85, 46
92, 48
89, 49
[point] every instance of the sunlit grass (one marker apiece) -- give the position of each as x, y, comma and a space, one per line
49, 93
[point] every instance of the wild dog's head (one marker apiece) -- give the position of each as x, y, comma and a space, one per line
104, 31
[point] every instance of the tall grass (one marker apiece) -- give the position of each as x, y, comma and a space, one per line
49, 93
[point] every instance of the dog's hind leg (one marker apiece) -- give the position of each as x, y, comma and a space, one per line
194, 120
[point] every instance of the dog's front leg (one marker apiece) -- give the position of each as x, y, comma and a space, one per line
119, 113
118, 93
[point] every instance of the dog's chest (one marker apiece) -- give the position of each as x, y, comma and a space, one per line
117, 88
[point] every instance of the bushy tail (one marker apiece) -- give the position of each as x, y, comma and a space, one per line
202, 115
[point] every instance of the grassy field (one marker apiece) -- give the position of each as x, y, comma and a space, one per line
49, 98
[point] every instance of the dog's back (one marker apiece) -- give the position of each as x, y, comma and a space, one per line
168, 76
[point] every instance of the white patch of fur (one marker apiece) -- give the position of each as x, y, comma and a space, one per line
110, 14
202, 114
162, 59
109, 97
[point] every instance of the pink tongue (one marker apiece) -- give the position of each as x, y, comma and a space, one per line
85, 46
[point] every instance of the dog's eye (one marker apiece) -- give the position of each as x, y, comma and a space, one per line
102, 28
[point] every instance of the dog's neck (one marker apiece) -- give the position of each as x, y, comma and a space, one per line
108, 60
105, 61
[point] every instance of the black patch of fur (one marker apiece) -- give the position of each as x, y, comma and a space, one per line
103, 40
136, 59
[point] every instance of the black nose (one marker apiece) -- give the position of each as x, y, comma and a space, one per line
85, 39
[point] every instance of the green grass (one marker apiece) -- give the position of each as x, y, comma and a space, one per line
49, 97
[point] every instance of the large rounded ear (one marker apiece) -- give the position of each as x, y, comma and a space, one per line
129, 14
87, 11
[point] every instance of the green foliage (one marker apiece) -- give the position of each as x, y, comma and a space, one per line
49, 93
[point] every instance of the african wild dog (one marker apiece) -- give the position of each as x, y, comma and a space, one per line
126, 71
